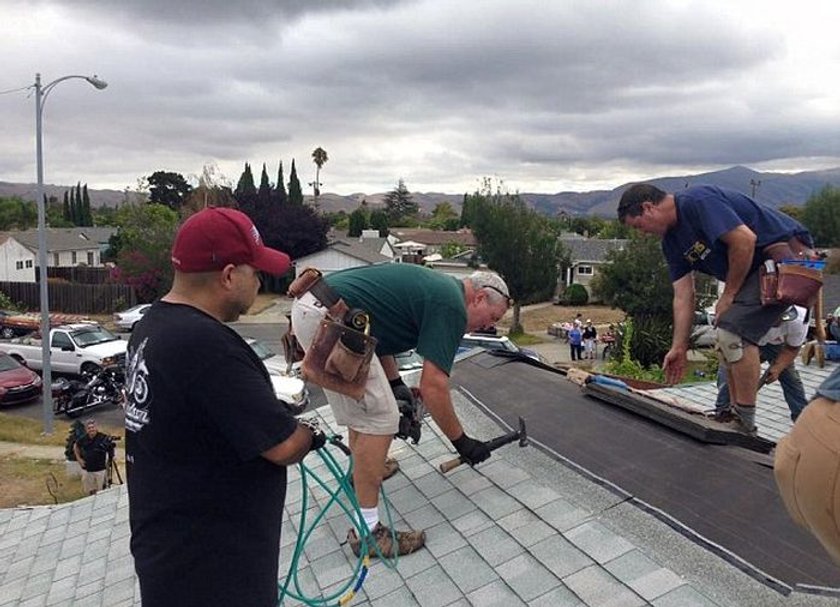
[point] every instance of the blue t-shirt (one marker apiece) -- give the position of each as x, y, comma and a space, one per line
575, 336
704, 214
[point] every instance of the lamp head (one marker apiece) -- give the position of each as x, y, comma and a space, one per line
95, 81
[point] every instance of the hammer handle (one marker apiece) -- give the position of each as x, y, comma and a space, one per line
491, 444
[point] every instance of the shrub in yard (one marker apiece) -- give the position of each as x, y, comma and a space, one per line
576, 295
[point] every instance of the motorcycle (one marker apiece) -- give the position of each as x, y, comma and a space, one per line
104, 387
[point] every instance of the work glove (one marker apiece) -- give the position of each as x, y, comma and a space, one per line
472, 451
319, 439
410, 408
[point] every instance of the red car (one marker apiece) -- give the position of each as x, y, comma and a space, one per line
18, 384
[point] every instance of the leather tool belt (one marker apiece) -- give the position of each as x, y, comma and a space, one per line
791, 274
341, 352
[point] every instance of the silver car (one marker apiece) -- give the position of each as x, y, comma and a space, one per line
126, 320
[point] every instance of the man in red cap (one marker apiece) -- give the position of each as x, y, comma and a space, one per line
207, 442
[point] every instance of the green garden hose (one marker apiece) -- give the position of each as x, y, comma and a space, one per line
291, 586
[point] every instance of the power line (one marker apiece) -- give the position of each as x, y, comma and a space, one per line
23, 88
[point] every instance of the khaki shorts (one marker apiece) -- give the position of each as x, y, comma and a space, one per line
376, 413
93, 481
807, 468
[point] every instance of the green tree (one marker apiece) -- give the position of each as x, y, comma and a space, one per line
17, 214
265, 187
821, 216
168, 188
319, 157
399, 204
467, 212
78, 211
379, 221
280, 190
358, 222
66, 209
142, 248
792, 210
444, 217
87, 217
636, 280
518, 243
451, 249
245, 187
295, 193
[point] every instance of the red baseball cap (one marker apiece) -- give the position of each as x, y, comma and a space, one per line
217, 236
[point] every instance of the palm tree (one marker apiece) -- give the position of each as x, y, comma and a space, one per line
319, 157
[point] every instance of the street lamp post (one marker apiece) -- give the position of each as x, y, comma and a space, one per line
41, 93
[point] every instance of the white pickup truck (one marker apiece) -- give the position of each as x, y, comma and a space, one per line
75, 348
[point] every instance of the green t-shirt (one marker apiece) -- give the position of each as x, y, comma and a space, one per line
410, 307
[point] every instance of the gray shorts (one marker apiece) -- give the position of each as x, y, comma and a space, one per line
747, 318
376, 413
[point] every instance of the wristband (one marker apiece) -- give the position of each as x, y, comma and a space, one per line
395, 383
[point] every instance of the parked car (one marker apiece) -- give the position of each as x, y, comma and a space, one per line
289, 389
494, 342
18, 384
126, 319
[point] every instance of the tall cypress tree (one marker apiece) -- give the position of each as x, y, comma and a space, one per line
78, 217
295, 193
87, 216
66, 208
280, 190
265, 186
246, 188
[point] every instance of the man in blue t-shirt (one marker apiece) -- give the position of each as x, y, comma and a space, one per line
727, 235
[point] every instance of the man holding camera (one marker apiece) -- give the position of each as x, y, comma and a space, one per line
92, 454
408, 307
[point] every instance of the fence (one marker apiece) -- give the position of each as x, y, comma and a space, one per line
72, 298
79, 274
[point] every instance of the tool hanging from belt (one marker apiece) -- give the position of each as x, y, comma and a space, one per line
339, 357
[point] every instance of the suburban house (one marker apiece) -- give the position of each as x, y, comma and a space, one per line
416, 243
66, 247
587, 255
343, 253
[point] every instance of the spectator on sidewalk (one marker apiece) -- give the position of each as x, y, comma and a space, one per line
589, 336
92, 454
576, 341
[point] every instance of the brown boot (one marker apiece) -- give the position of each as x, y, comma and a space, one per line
392, 466
381, 541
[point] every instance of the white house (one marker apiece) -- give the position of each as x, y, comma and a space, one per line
66, 247
341, 254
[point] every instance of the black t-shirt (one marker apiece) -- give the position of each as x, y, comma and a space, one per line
205, 508
589, 333
94, 451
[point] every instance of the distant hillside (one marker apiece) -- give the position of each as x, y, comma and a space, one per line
98, 198
774, 189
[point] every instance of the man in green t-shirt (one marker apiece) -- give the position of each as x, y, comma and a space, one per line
410, 307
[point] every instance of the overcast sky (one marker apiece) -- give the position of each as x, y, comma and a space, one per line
547, 95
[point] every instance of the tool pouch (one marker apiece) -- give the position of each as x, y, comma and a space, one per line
304, 282
339, 359
790, 277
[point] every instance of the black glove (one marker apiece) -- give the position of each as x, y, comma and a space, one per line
319, 439
410, 415
472, 451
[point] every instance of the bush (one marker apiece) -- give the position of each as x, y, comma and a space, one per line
576, 295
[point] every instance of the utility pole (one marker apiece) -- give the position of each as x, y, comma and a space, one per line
754, 184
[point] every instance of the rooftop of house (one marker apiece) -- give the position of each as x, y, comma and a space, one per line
531, 526
65, 239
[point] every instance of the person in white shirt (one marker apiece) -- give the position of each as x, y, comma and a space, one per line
779, 347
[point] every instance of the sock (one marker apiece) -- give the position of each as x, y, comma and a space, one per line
370, 517
747, 415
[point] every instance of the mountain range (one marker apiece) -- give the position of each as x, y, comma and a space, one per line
773, 189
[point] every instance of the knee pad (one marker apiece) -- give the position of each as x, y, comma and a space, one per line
729, 347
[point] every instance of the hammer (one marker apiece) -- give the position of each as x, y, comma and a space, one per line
493, 444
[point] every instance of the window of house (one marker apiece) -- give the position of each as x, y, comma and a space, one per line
584, 270
28, 263
90, 258
73, 258
18, 265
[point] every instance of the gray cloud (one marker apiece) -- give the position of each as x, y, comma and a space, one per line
436, 92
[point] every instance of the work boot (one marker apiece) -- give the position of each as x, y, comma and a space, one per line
723, 416
382, 539
392, 466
